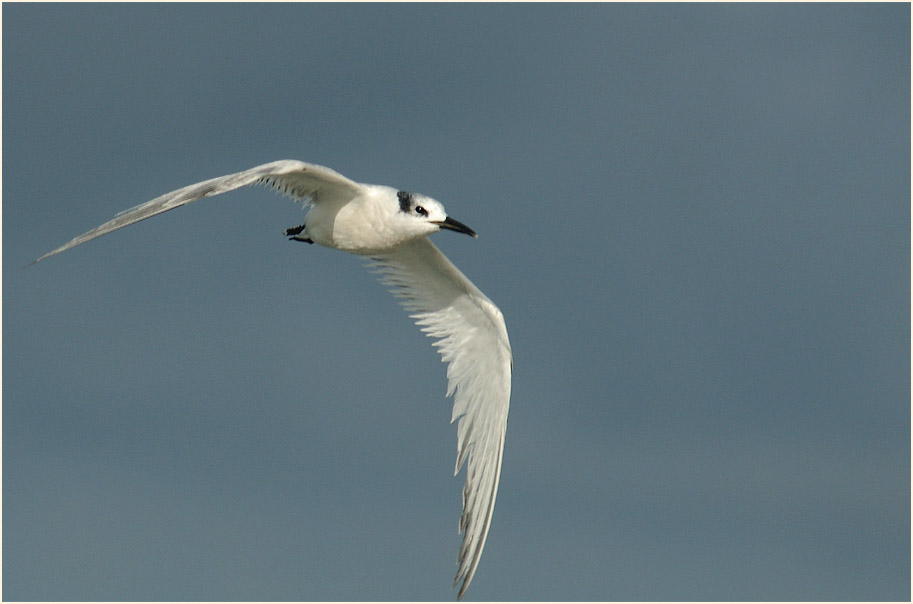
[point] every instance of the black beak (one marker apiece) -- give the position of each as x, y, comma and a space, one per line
455, 225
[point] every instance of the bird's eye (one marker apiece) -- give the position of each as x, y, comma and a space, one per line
421, 211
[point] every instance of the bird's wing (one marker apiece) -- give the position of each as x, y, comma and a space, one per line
296, 179
472, 338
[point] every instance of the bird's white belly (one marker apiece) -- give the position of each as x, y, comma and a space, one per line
353, 227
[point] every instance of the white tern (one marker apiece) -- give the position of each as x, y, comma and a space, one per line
391, 227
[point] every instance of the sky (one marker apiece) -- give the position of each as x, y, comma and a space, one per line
695, 219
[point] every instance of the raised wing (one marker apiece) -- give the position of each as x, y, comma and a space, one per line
296, 179
472, 338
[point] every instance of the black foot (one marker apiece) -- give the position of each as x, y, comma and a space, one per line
293, 233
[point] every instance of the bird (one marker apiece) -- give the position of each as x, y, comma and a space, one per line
390, 228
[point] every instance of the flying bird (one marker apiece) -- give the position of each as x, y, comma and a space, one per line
390, 227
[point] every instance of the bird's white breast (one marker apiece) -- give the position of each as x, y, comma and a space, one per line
360, 225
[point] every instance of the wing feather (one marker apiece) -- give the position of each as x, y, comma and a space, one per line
471, 338
296, 179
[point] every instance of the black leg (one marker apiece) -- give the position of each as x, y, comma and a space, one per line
293, 233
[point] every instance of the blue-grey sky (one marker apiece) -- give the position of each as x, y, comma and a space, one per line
695, 218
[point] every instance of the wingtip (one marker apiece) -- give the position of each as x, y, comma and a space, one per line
46, 256
462, 591
37, 260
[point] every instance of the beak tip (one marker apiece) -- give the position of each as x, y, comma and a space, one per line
459, 227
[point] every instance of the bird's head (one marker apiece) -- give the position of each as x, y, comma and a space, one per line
424, 216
